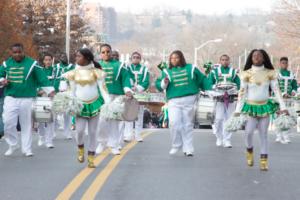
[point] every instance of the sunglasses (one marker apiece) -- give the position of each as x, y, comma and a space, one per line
136, 57
105, 52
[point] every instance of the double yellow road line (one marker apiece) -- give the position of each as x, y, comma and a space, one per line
101, 178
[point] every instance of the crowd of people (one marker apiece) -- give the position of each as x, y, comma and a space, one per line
249, 92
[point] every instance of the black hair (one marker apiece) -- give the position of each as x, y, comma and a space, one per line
182, 61
105, 45
89, 56
18, 45
224, 55
136, 53
284, 59
267, 61
47, 54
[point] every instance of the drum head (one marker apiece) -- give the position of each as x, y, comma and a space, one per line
131, 109
225, 86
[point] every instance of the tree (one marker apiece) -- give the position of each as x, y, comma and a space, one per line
11, 30
47, 21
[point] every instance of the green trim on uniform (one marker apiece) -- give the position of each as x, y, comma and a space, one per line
216, 76
117, 77
143, 75
184, 81
24, 77
291, 84
264, 110
92, 109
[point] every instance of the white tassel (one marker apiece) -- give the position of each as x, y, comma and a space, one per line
64, 102
286, 122
235, 123
114, 109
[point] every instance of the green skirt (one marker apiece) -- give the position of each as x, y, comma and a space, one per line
92, 109
263, 110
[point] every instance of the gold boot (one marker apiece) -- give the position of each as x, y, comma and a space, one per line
264, 163
80, 156
91, 159
250, 158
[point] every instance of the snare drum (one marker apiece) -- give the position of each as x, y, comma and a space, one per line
297, 106
42, 110
121, 108
225, 86
131, 109
205, 110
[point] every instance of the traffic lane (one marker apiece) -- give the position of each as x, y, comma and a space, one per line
148, 172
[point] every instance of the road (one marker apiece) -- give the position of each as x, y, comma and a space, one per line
145, 171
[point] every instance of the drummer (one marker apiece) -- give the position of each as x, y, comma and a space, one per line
139, 77
226, 102
182, 83
21, 76
288, 87
60, 84
46, 130
117, 82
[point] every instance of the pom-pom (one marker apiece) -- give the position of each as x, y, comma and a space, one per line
64, 102
235, 123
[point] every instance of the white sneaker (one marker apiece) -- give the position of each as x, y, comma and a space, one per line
100, 148
127, 139
278, 139
28, 154
189, 153
120, 147
115, 151
173, 151
139, 138
41, 141
227, 144
69, 137
219, 142
11, 150
287, 139
50, 145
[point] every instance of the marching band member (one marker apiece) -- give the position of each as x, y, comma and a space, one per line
288, 87
115, 55
118, 83
62, 67
86, 83
46, 130
258, 76
140, 81
225, 105
21, 76
182, 82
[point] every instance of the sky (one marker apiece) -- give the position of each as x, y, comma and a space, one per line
210, 7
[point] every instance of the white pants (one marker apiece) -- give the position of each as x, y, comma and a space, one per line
222, 115
46, 130
67, 126
12, 109
138, 125
110, 131
128, 130
262, 125
92, 125
181, 116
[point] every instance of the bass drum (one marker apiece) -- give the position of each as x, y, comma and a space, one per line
205, 111
42, 110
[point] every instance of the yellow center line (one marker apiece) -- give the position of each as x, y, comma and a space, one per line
97, 184
80, 178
